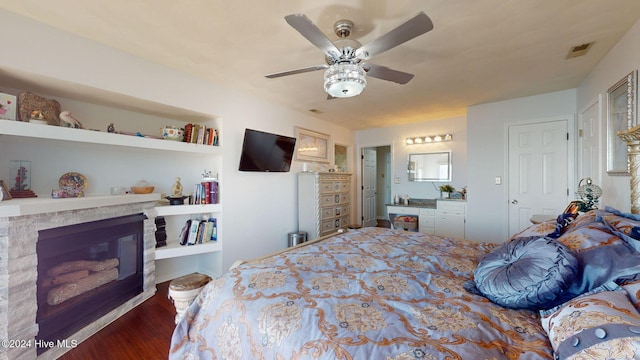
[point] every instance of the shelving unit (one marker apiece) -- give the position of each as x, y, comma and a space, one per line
176, 250
187, 209
173, 260
173, 248
25, 129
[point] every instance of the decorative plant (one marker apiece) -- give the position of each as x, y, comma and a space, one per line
447, 188
21, 177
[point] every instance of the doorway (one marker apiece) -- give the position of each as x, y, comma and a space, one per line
376, 183
589, 147
540, 169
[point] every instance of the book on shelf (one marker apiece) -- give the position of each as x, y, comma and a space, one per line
213, 236
197, 231
193, 232
201, 134
207, 192
184, 233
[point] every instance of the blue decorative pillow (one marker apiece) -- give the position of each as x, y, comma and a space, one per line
527, 273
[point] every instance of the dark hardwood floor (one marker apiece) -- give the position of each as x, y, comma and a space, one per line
142, 333
383, 223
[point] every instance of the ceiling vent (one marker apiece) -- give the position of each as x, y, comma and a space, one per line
579, 50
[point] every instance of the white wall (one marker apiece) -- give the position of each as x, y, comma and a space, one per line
395, 137
259, 209
487, 203
619, 61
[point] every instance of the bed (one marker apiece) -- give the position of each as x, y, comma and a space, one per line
377, 293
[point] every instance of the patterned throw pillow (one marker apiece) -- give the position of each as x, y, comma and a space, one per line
602, 324
588, 236
526, 273
626, 223
632, 287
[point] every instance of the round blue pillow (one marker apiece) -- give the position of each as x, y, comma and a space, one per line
527, 273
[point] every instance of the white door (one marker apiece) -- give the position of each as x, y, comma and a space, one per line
589, 143
369, 187
538, 171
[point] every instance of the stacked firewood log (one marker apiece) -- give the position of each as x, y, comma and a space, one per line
72, 278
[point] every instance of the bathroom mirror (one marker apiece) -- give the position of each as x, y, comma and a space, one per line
434, 166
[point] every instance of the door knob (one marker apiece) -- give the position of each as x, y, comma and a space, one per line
514, 201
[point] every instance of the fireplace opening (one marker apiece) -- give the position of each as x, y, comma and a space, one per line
85, 271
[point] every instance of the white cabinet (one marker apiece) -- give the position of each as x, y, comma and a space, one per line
324, 203
450, 218
426, 221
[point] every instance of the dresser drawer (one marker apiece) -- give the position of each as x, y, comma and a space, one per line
426, 221
327, 226
427, 212
403, 210
451, 207
326, 213
326, 187
344, 186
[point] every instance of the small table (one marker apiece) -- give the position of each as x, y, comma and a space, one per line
540, 218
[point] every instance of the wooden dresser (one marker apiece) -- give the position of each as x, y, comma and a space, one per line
324, 202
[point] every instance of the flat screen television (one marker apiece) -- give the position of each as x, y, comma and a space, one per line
263, 151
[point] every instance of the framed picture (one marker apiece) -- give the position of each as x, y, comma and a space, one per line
312, 146
621, 115
4, 191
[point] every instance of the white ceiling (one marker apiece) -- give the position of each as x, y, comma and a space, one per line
479, 50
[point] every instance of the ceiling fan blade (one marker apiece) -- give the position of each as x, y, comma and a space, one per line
417, 26
385, 73
311, 32
297, 71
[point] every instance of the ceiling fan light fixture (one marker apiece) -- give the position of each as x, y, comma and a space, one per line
344, 80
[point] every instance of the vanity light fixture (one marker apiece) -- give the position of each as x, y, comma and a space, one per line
429, 139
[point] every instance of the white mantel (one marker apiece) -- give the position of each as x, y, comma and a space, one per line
40, 205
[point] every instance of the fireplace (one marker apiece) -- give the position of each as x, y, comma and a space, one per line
22, 222
85, 271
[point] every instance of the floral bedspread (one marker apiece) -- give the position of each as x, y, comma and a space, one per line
372, 293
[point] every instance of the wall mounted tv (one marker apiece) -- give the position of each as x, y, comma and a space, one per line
262, 151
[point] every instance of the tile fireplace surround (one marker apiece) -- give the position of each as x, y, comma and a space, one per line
20, 221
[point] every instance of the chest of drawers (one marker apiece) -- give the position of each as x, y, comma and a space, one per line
324, 203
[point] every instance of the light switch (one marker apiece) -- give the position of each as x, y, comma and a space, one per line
498, 180
396, 180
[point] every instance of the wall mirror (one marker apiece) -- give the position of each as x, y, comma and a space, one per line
434, 166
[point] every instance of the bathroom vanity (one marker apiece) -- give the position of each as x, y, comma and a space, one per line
444, 217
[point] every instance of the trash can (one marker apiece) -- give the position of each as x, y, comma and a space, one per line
296, 238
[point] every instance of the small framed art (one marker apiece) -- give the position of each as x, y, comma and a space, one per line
621, 115
4, 191
312, 146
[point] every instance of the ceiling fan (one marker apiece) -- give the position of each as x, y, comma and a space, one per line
346, 59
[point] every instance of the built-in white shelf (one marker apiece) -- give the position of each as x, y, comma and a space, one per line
187, 209
41, 204
174, 249
32, 130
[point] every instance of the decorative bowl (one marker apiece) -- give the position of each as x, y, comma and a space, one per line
176, 200
172, 133
142, 190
